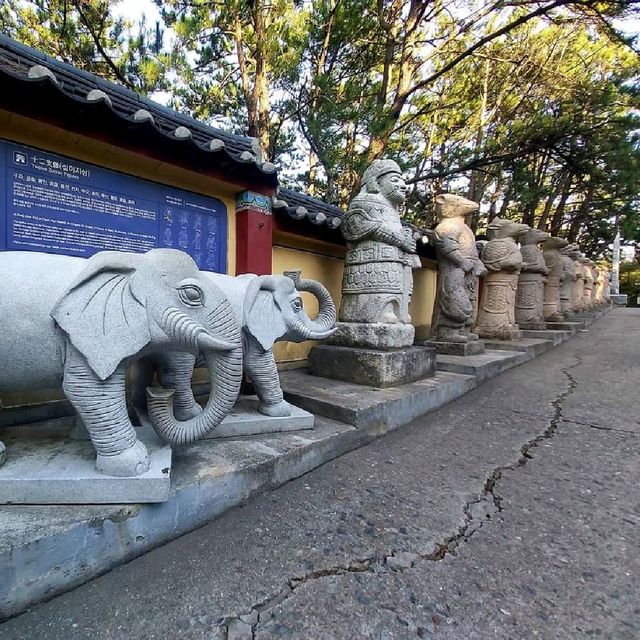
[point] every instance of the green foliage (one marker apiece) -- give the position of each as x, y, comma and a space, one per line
630, 280
530, 108
86, 34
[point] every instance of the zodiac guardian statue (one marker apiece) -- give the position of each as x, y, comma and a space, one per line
459, 269
503, 259
381, 253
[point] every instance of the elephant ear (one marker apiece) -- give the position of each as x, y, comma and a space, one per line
263, 318
100, 313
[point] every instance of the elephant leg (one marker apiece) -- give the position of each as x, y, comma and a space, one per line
141, 377
260, 365
102, 407
174, 372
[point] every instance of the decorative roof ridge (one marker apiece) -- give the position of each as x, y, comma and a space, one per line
28, 66
299, 205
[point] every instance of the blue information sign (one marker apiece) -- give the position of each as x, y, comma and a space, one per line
58, 205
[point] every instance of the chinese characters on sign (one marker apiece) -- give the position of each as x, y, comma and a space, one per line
58, 205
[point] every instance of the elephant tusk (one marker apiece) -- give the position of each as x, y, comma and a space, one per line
207, 342
160, 394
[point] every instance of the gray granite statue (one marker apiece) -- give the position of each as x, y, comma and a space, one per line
503, 259
531, 281
553, 259
458, 271
569, 256
81, 323
269, 309
381, 253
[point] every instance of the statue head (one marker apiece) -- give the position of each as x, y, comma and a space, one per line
554, 242
572, 250
500, 228
385, 177
534, 236
449, 205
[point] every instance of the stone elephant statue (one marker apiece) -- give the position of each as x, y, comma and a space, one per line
83, 322
269, 309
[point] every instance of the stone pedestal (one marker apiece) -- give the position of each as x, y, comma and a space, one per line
619, 299
45, 466
472, 348
496, 319
373, 367
376, 335
529, 300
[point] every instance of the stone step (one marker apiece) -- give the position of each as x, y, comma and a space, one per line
557, 337
366, 407
533, 346
483, 365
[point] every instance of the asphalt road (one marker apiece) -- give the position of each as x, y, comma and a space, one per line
513, 512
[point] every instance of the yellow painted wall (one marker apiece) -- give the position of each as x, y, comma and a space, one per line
23, 130
324, 262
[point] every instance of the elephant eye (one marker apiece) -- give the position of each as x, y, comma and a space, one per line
191, 295
296, 305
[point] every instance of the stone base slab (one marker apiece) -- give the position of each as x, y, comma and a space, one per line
572, 326
499, 334
246, 420
619, 299
45, 466
372, 335
556, 337
485, 365
372, 367
457, 348
532, 325
533, 346
365, 407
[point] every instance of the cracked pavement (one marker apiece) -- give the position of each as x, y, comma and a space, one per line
511, 513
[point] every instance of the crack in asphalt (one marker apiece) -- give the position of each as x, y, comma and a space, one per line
476, 513
601, 427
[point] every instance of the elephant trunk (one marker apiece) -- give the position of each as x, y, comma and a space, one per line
324, 323
225, 375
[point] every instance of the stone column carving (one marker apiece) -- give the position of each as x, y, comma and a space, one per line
578, 285
459, 268
530, 294
597, 286
606, 291
381, 253
553, 259
569, 256
587, 278
503, 259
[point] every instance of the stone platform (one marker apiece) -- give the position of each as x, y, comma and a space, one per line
532, 346
570, 325
557, 337
456, 348
45, 466
365, 406
246, 420
483, 366
372, 367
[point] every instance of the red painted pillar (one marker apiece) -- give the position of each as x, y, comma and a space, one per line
253, 233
